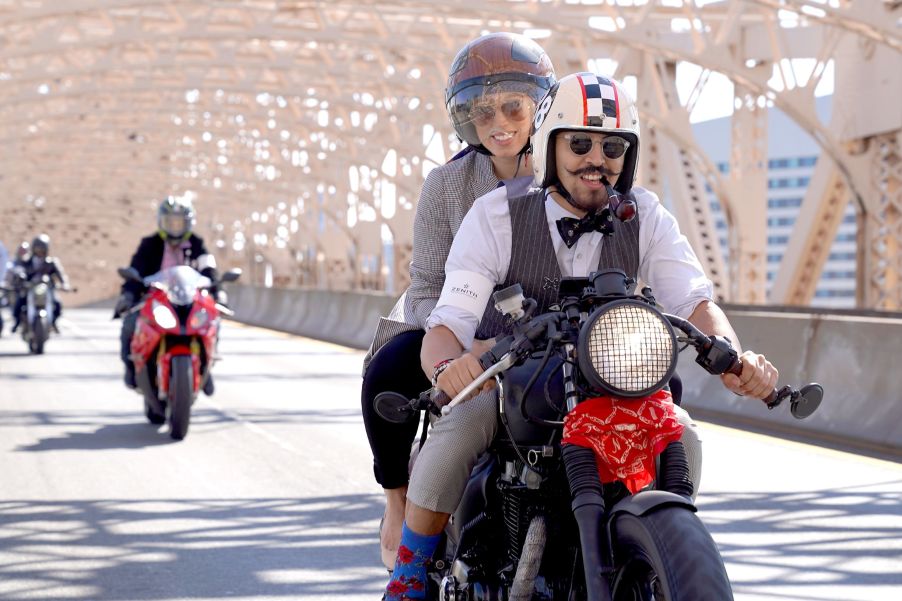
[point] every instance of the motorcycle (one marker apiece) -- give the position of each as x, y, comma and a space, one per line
537, 521
174, 344
39, 309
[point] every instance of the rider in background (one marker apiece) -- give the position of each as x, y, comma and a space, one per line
173, 244
38, 265
4, 259
13, 282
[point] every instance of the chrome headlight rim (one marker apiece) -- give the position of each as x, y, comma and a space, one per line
587, 367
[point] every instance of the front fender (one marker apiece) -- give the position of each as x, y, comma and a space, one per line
650, 500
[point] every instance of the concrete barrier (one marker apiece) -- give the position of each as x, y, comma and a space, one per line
347, 318
853, 355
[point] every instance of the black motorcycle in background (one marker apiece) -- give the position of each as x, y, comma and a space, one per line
536, 522
38, 312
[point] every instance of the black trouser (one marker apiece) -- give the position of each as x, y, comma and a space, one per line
129, 320
17, 309
395, 368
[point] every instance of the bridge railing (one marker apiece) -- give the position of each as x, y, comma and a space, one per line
852, 354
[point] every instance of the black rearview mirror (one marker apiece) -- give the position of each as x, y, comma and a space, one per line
809, 399
394, 407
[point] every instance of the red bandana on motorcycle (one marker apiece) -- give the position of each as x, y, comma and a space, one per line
626, 435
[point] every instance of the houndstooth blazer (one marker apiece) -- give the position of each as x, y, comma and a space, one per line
447, 195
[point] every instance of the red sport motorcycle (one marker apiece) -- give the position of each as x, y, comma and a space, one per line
175, 341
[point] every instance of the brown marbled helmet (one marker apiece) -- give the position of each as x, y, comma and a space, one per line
495, 63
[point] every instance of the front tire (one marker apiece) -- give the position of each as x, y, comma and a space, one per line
667, 555
38, 335
181, 391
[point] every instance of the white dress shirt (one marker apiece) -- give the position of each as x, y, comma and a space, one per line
481, 253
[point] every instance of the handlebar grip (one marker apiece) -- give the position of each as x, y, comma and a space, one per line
736, 370
487, 359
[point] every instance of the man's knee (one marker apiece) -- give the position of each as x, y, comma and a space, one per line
458, 439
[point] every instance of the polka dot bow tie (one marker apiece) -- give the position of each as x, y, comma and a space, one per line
571, 228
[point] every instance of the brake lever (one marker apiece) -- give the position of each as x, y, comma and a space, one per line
505, 363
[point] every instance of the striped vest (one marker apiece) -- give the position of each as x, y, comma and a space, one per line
534, 265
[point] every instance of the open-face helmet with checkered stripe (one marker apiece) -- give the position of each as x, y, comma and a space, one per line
585, 102
495, 63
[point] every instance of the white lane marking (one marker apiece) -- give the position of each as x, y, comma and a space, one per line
285, 446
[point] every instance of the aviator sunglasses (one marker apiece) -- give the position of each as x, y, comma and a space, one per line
483, 114
612, 147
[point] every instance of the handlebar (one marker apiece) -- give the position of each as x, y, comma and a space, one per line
717, 356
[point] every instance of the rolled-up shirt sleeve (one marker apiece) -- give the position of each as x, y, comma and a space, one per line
478, 261
668, 263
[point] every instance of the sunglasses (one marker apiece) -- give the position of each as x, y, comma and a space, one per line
514, 110
613, 147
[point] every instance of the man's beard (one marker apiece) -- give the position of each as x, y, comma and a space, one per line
589, 200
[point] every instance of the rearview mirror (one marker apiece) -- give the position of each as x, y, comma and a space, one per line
394, 407
131, 274
809, 399
231, 275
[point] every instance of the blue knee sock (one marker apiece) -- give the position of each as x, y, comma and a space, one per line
408, 580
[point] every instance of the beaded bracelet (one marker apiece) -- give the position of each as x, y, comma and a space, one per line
439, 368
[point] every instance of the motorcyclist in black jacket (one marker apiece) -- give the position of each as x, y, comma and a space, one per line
173, 244
38, 265
12, 281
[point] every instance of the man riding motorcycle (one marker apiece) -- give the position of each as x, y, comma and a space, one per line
586, 216
38, 265
4, 260
173, 244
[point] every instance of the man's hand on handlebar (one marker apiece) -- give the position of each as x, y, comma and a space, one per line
461, 372
758, 378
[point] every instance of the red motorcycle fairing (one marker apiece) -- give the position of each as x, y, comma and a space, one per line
173, 338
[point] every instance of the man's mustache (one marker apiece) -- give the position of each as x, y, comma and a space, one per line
591, 170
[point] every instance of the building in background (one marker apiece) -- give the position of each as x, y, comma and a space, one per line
792, 155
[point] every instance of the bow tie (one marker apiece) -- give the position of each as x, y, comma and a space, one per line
571, 228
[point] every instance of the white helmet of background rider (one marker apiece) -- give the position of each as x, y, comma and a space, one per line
585, 102
175, 218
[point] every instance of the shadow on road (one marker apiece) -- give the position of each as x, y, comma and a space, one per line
825, 536
184, 549
112, 436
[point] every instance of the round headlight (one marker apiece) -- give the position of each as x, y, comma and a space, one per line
40, 294
627, 349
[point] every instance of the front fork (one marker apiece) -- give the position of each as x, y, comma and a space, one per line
588, 503
164, 365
